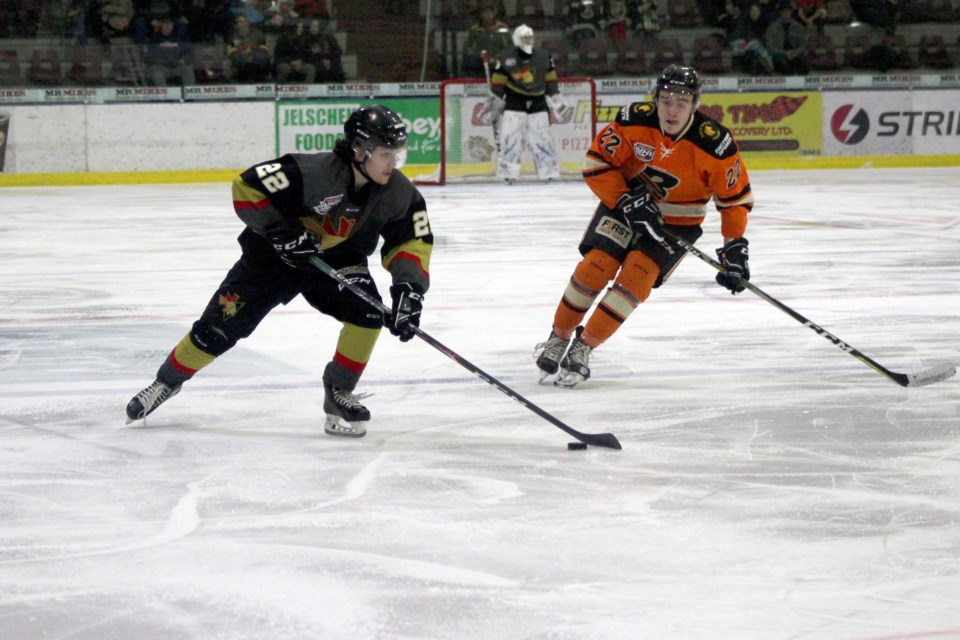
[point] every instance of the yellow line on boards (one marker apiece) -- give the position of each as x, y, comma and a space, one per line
756, 161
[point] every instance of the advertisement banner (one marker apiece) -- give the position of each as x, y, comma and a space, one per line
891, 123
777, 122
761, 122
311, 127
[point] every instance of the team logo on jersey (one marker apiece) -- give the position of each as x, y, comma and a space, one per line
644, 152
230, 303
614, 230
709, 130
328, 204
849, 130
341, 230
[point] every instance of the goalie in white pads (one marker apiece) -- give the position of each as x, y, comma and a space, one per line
526, 83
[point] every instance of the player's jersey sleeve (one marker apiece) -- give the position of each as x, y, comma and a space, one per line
408, 243
611, 159
269, 193
729, 182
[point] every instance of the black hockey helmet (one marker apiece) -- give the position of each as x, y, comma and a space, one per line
375, 126
679, 79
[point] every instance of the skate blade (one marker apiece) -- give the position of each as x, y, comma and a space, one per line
568, 380
335, 426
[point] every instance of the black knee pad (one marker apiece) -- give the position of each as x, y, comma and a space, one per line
211, 339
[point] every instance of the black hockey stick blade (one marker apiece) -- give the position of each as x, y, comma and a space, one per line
934, 374
607, 440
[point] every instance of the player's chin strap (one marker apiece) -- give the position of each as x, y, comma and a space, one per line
596, 439
359, 167
927, 376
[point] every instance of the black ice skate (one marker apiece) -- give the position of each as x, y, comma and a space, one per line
575, 367
144, 403
345, 415
548, 355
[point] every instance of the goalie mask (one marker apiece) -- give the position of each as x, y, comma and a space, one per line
375, 126
523, 39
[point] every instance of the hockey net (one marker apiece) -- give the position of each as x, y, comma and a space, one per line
468, 146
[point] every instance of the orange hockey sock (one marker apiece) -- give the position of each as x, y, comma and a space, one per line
632, 286
589, 278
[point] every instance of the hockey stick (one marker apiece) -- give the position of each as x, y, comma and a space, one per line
495, 123
596, 439
921, 378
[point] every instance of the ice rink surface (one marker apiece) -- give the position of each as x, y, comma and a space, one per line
770, 485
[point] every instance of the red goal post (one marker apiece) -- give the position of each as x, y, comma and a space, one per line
468, 148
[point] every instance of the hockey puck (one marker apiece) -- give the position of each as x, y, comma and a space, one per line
576, 446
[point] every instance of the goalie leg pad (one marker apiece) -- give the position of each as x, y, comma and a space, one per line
513, 126
541, 144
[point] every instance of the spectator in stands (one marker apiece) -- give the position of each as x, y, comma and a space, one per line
882, 14
787, 42
812, 14
325, 54
728, 18
489, 34
28, 13
247, 51
769, 10
78, 16
292, 55
618, 23
279, 16
116, 18
750, 53
312, 9
248, 8
645, 16
582, 19
207, 20
167, 53
839, 12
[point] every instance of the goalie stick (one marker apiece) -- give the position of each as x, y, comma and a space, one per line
596, 439
495, 122
931, 375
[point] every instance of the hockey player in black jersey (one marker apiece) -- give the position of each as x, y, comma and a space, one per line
336, 206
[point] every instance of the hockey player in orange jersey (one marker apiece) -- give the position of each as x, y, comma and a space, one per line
656, 167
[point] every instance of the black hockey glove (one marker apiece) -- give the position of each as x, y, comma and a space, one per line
294, 246
735, 258
642, 214
405, 314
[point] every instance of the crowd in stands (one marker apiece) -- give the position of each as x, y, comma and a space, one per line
752, 37
184, 42
181, 42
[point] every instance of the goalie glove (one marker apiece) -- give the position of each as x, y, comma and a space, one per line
559, 108
492, 109
735, 258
